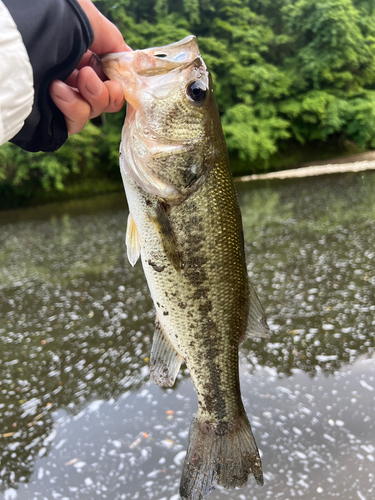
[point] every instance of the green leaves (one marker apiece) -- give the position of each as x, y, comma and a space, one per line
331, 48
253, 132
360, 119
48, 170
292, 70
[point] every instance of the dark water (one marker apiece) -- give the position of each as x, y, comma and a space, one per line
79, 418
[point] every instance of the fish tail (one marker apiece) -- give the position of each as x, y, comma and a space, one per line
223, 454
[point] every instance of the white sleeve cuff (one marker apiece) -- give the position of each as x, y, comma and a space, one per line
16, 78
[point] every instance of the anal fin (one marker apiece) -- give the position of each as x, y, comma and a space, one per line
257, 321
132, 241
165, 362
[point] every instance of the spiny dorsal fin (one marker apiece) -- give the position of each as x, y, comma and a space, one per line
132, 241
163, 226
164, 361
257, 321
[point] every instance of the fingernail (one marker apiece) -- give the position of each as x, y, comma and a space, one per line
94, 85
64, 92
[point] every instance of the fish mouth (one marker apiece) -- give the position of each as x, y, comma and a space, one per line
118, 66
131, 68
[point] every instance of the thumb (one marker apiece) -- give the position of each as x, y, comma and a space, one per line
107, 37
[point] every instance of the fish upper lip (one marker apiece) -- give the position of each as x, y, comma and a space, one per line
178, 56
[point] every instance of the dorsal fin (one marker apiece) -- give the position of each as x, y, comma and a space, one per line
165, 362
257, 321
132, 241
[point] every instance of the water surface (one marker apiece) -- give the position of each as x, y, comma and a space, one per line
79, 418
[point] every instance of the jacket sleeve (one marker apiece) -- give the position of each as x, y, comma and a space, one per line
56, 34
16, 77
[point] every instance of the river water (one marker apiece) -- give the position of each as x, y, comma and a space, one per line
79, 418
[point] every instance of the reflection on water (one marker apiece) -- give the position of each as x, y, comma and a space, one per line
79, 418
311, 248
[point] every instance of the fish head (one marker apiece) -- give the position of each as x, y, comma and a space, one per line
172, 125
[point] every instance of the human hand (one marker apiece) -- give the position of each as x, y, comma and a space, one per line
84, 95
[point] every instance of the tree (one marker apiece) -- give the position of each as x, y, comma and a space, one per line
285, 72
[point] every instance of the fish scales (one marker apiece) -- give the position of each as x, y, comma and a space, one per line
209, 296
185, 225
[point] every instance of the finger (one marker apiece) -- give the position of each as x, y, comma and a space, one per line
93, 90
90, 59
73, 106
86, 58
116, 96
107, 38
110, 100
72, 79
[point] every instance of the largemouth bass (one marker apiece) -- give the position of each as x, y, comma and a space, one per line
185, 226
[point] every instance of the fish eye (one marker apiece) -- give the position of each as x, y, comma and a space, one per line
196, 91
161, 55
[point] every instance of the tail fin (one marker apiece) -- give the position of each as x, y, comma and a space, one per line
219, 455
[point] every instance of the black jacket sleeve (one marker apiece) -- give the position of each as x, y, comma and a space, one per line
56, 34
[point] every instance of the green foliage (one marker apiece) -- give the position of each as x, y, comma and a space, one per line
361, 119
253, 132
18, 167
284, 71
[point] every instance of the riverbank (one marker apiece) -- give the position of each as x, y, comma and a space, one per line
94, 186
313, 170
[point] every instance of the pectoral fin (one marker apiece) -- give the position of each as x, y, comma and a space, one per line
133, 243
163, 226
257, 321
164, 361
